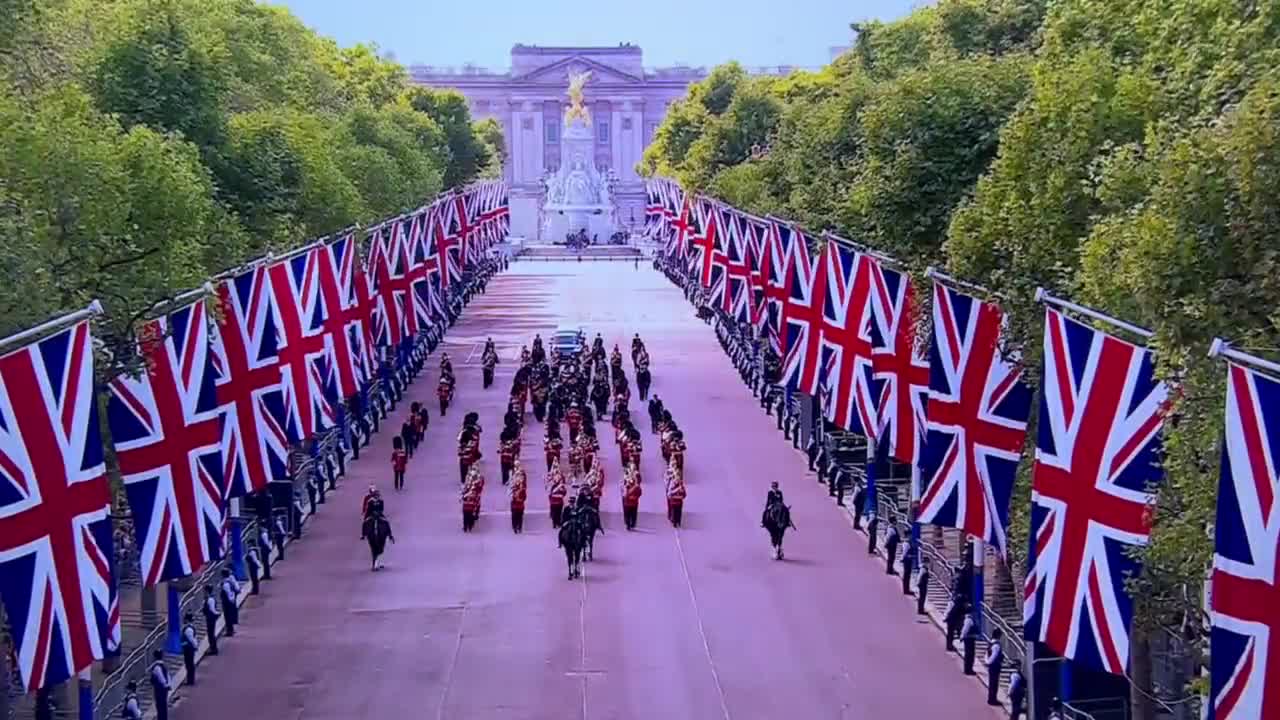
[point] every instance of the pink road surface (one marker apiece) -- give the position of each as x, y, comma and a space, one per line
696, 623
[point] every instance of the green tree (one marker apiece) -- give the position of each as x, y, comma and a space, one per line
489, 132
448, 108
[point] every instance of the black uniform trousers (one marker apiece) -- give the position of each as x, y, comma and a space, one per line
189, 660
210, 628
970, 653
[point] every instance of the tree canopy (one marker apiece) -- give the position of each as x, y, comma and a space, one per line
146, 145
1120, 152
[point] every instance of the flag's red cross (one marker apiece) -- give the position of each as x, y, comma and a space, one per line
907, 372
1083, 502
298, 344
178, 436
1250, 599
965, 412
243, 381
61, 501
811, 314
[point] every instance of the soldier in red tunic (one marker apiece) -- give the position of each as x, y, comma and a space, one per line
552, 445
677, 451
519, 493
471, 492
630, 497
556, 491
508, 450
632, 448
574, 418
676, 493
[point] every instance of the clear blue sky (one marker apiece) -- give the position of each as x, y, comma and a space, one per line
696, 32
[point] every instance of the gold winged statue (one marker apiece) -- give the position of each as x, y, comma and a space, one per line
576, 108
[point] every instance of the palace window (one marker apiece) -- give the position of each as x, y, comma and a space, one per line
553, 134
602, 131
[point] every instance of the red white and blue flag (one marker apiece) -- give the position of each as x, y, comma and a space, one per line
800, 324
1097, 460
348, 313
846, 337
760, 247
678, 237
392, 277
462, 228
653, 209
305, 351
249, 381
448, 248
900, 370
55, 536
707, 259
425, 274
736, 296
169, 434
976, 419
1245, 607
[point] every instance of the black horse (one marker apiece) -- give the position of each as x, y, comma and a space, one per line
377, 530
573, 538
777, 518
590, 519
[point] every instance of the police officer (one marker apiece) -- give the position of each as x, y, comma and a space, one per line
230, 601
264, 545
254, 564
995, 664
160, 683
891, 548
969, 637
210, 610
1017, 693
132, 709
189, 645
922, 587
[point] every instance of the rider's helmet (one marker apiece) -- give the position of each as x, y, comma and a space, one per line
773, 485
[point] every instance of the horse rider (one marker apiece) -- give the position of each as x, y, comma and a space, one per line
444, 390
524, 355
557, 489
371, 506
774, 495
446, 365
574, 418
636, 346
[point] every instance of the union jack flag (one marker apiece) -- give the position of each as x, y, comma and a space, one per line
736, 295
448, 247
845, 336
424, 273
708, 245
55, 536
462, 227
900, 371
169, 434
348, 313
760, 250
653, 210
800, 324
1097, 454
1245, 606
249, 381
392, 280
306, 349
976, 419
775, 263
678, 238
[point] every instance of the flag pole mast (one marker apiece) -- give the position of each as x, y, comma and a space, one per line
94, 309
1222, 348
1043, 296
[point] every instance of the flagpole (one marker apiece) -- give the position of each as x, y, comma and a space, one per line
865, 250
1222, 348
1043, 296
934, 274
94, 309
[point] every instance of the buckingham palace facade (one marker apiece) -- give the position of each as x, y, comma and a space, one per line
626, 100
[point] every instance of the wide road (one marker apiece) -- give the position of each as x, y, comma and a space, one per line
699, 623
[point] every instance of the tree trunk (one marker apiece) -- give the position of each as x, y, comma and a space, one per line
1141, 675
